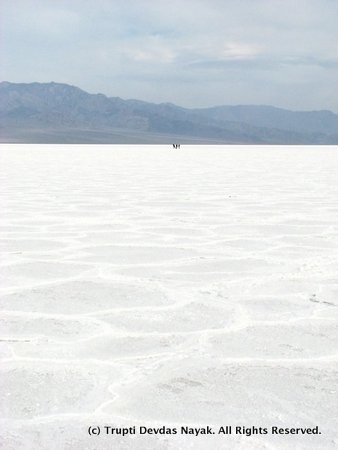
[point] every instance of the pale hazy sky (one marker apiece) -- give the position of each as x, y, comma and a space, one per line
193, 53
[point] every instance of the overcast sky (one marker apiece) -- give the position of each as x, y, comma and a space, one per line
194, 53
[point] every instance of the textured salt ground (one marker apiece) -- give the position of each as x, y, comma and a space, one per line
143, 286
47, 388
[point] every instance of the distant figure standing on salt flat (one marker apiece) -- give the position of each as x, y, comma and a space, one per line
176, 145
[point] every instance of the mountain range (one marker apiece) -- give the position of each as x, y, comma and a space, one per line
60, 113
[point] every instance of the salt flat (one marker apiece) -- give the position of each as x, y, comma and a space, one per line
146, 286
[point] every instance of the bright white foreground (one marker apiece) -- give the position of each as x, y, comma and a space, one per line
151, 286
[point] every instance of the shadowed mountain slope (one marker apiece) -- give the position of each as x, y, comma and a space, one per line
59, 113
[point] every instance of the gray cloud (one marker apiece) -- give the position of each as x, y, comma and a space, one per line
193, 53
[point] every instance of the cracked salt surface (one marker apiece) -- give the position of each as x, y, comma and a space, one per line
144, 286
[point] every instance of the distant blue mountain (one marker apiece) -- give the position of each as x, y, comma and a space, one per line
59, 113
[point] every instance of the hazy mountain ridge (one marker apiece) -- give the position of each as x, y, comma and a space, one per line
60, 113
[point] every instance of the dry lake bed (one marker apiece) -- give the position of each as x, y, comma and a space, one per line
143, 286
